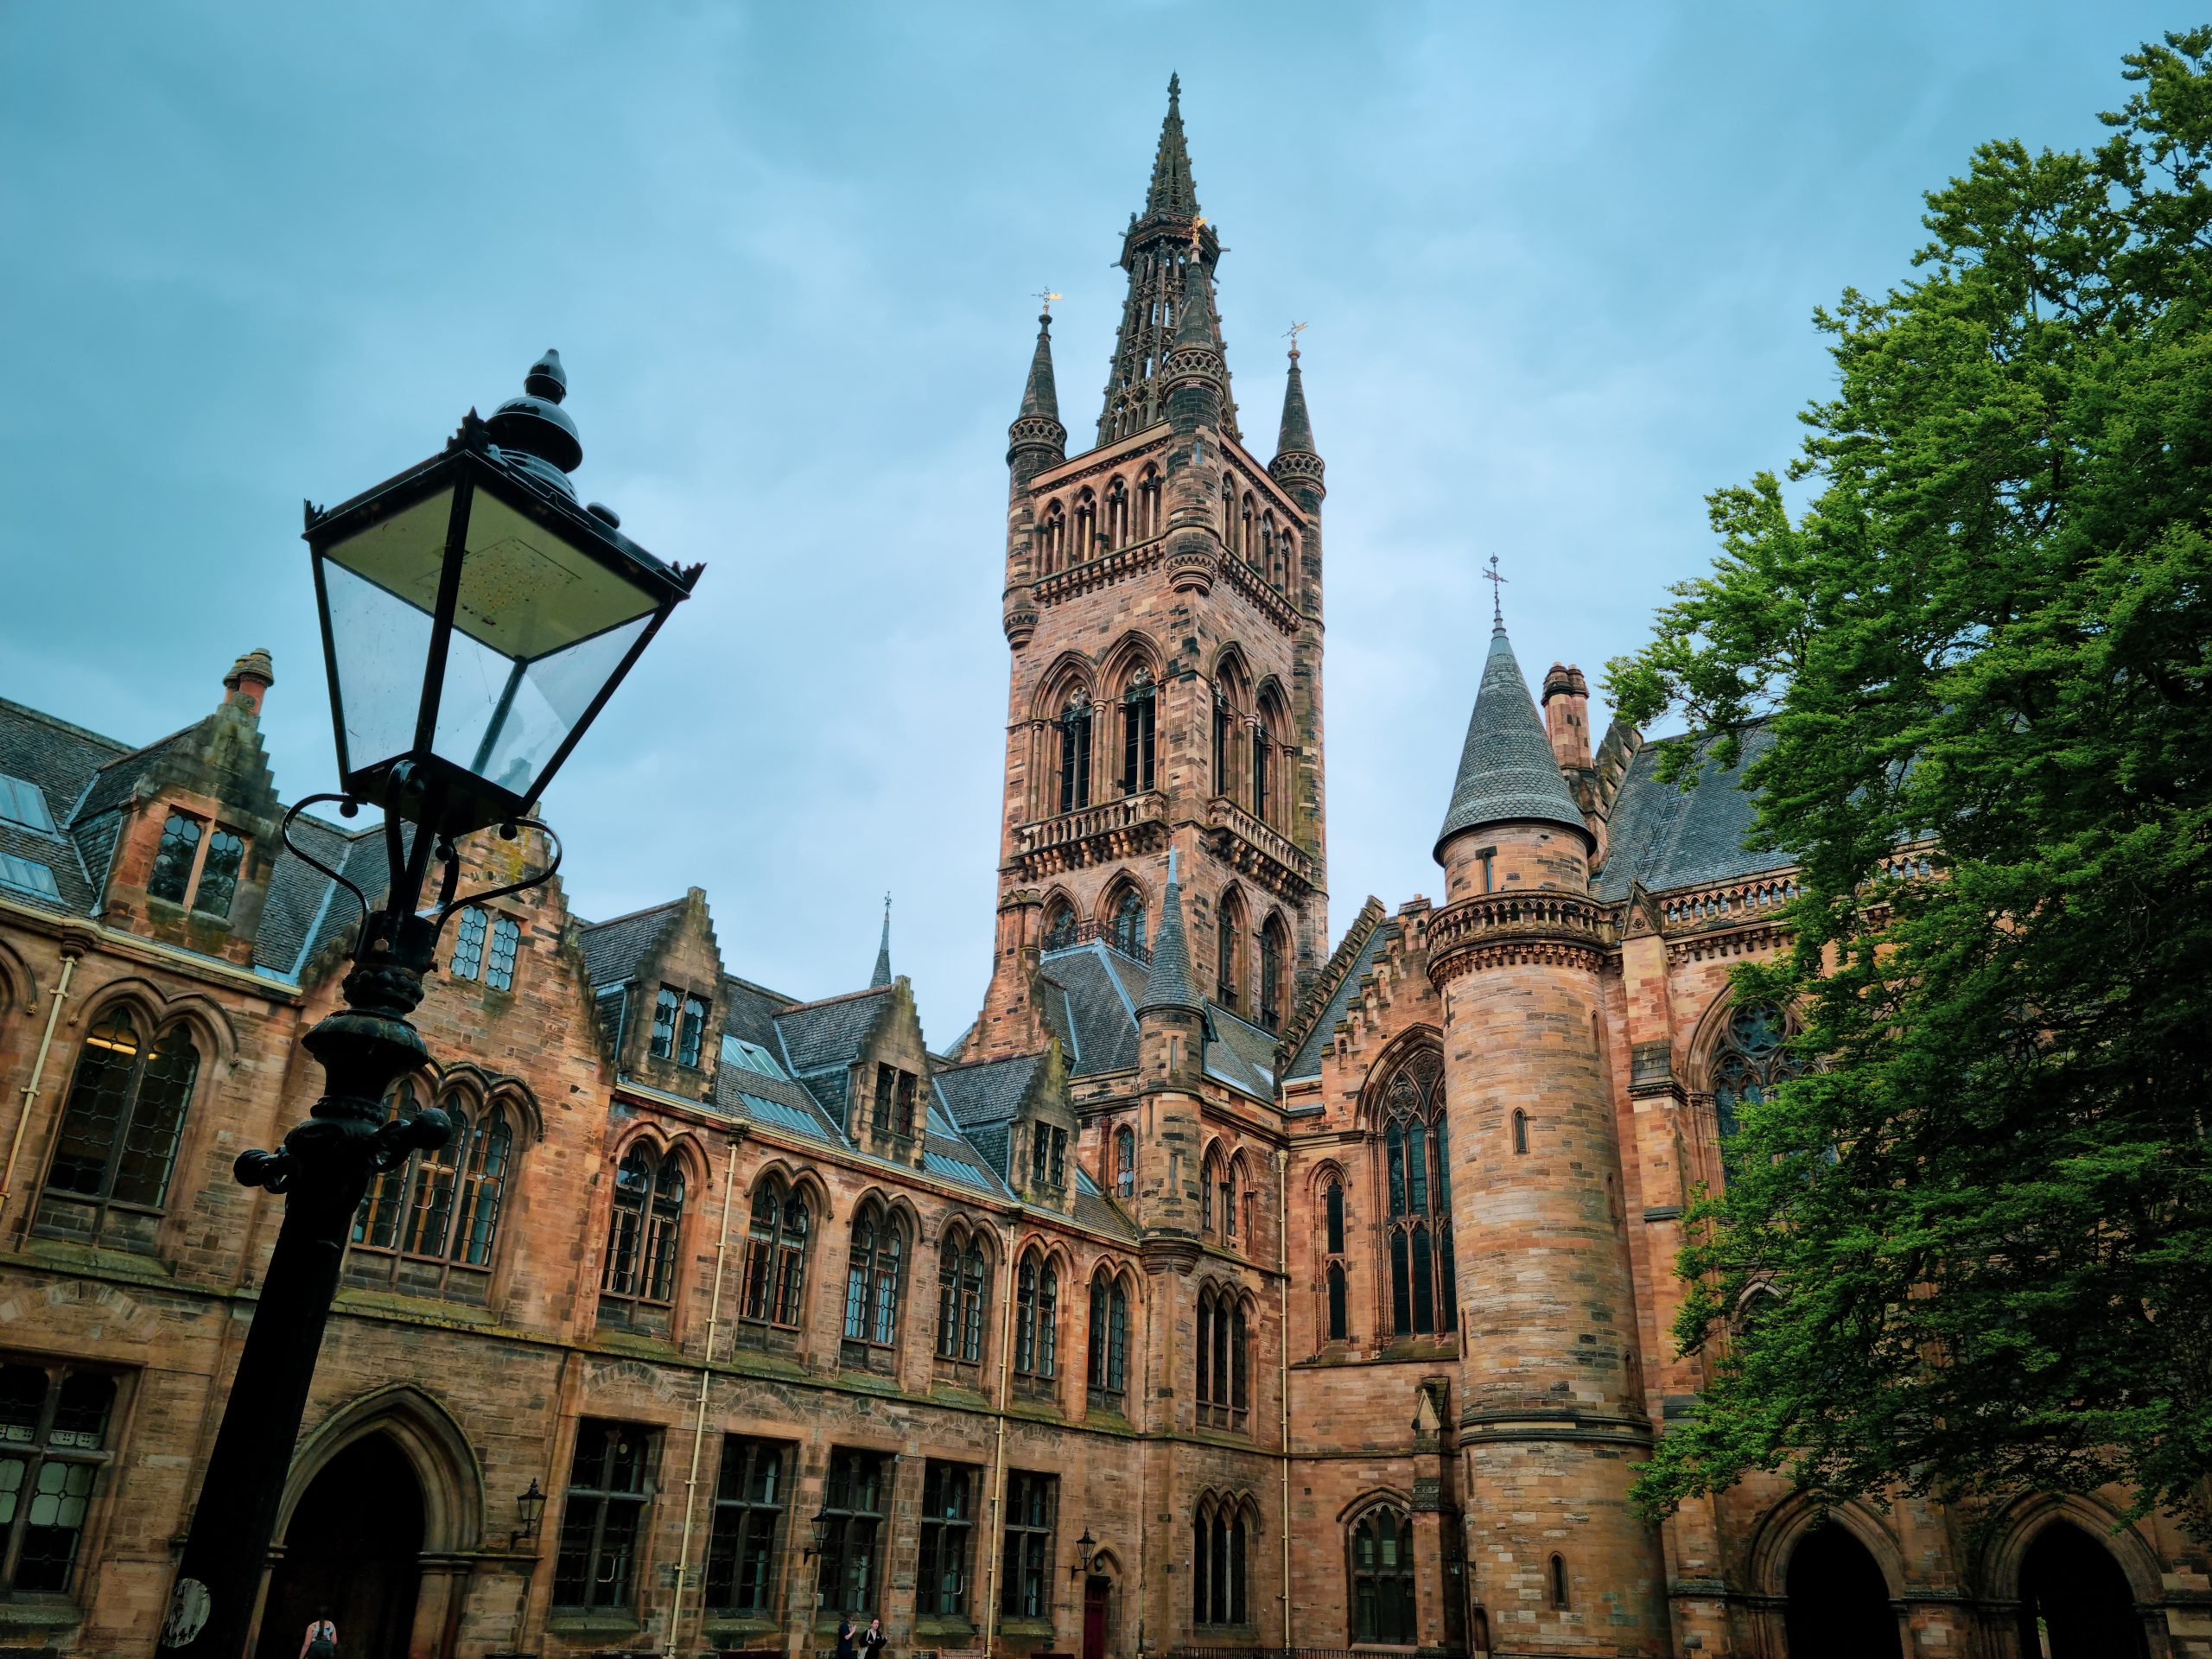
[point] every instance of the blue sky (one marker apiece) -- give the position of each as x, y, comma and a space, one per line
1559, 263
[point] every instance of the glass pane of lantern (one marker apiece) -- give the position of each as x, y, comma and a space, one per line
381, 585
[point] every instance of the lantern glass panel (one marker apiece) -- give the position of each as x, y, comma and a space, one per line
379, 588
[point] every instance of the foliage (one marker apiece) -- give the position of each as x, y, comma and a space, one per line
1988, 1208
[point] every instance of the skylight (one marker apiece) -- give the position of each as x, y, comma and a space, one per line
24, 803
24, 876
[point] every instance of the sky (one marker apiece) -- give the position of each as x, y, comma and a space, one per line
1560, 264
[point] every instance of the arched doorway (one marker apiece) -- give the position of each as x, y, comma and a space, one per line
1839, 1605
351, 1551
2074, 1601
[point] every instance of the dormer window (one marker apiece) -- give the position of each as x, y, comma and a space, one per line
24, 803
665, 1011
893, 1110
191, 865
691, 1032
1048, 1157
679, 1026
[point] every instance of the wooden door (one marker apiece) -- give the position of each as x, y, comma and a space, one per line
1095, 1592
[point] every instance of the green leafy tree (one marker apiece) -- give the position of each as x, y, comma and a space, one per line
1987, 1205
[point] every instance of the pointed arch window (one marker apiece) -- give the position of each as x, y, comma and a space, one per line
1059, 926
1149, 516
1754, 1055
775, 1258
1382, 1579
1086, 528
1247, 541
1036, 1319
1224, 1365
430, 1225
1336, 1272
1129, 923
644, 1224
1125, 1162
116, 1150
1220, 1551
1229, 952
1052, 539
1221, 734
1075, 752
1272, 945
1138, 706
1424, 1299
1109, 1342
873, 1275
964, 1299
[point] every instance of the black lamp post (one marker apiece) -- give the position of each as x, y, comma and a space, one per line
1085, 1547
475, 618
531, 1507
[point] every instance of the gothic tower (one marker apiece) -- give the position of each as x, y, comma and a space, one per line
1163, 609
1552, 1418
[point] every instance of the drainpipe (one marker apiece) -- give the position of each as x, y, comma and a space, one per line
1282, 1359
30, 1088
998, 1457
699, 1425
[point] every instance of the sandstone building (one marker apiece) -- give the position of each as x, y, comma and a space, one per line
1223, 1287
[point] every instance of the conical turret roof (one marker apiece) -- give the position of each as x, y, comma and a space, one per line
1507, 771
1172, 190
1040, 398
1295, 436
1169, 985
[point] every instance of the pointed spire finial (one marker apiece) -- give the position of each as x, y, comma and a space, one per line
1295, 435
1047, 297
1168, 985
1496, 595
1292, 334
882, 974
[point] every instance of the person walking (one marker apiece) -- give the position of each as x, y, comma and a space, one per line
873, 1643
321, 1639
845, 1638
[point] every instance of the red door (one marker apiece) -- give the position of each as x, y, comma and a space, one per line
1094, 1617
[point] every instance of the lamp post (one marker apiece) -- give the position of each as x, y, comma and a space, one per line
475, 618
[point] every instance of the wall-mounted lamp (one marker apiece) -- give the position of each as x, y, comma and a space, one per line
531, 1506
821, 1528
1085, 1547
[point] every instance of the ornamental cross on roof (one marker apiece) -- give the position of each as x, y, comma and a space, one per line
1498, 588
1046, 296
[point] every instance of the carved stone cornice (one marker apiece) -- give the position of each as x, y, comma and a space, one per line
1106, 833
1495, 930
1254, 587
1259, 850
1101, 572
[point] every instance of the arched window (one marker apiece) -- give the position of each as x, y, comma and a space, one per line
1224, 1365
1339, 1313
116, 1146
1129, 923
1336, 1271
1382, 1579
1036, 1319
643, 1230
1139, 704
1228, 515
1117, 513
775, 1256
1754, 1056
1417, 1160
1247, 539
1109, 1341
1233, 703
1520, 1131
872, 1278
1557, 1583
1059, 926
1209, 1182
1125, 1162
1052, 539
1228, 950
1148, 520
964, 1299
1274, 944
439, 1211
1267, 753
1220, 1534
1075, 752
1086, 528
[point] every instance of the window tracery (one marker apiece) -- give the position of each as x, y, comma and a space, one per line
1417, 1166
1754, 1055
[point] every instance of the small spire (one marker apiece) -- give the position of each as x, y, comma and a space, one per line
1496, 596
1040, 398
1169, 984
1295, 437
1198, 326
882, 974
1508, 772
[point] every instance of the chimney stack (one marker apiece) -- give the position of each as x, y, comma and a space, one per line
249, 680
1567, 716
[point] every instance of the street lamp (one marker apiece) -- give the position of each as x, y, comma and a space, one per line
531, 1506
475, 620
1085, 1547
821, 1529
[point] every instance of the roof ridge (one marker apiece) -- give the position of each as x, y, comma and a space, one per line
1322, 988
71, 727
825, 1002
1000, 1060
630, 916
784, 997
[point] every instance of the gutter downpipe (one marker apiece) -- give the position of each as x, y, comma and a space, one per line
38, 1071
1282, 1357
699, 1424
998, 1461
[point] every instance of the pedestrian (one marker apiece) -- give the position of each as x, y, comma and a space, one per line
321, 1639
845, 1638
873, 1643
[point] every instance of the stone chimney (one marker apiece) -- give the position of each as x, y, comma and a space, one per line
1567, 716
249, 680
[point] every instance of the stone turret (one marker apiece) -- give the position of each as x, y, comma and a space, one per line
1171, 1056
1552, 1416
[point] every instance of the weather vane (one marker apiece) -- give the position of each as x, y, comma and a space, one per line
1047, 297
1292, 333
1496, 592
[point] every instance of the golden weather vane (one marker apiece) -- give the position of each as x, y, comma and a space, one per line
1048, 296
1292, 333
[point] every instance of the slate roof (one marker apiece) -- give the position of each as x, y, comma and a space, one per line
1095, 1014
62, 759
1240, 1054
117, 780
812, 1036
1306, 1063
750, 1010
1508, 773
1168, 986
1665, 837
613, 948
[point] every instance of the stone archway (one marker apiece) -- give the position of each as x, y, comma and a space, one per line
1838, 1604
351, 1553
2075, 1602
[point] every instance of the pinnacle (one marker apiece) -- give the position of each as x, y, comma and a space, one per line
1295, 437
882, 974
1168, 986
1173, 193
1039, 397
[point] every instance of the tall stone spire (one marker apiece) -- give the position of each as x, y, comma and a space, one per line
1170, 233
1508, 773
1295, 435
882, 974
1039, 397
1036, 439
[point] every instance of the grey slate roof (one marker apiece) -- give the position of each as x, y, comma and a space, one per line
814, 1036
989, 1091
613, 948
1508, 773
1664, 836
749, 1011
1095, 1014
117, 780
1169, 984
62, 759
1240, 1054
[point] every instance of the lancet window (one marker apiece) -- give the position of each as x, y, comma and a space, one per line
873, 1272
963, 1298
1139, 721
1075, 752
439, 1212
643, 1226
1417, 1177
775, 1256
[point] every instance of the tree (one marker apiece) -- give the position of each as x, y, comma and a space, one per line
1987, 1205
